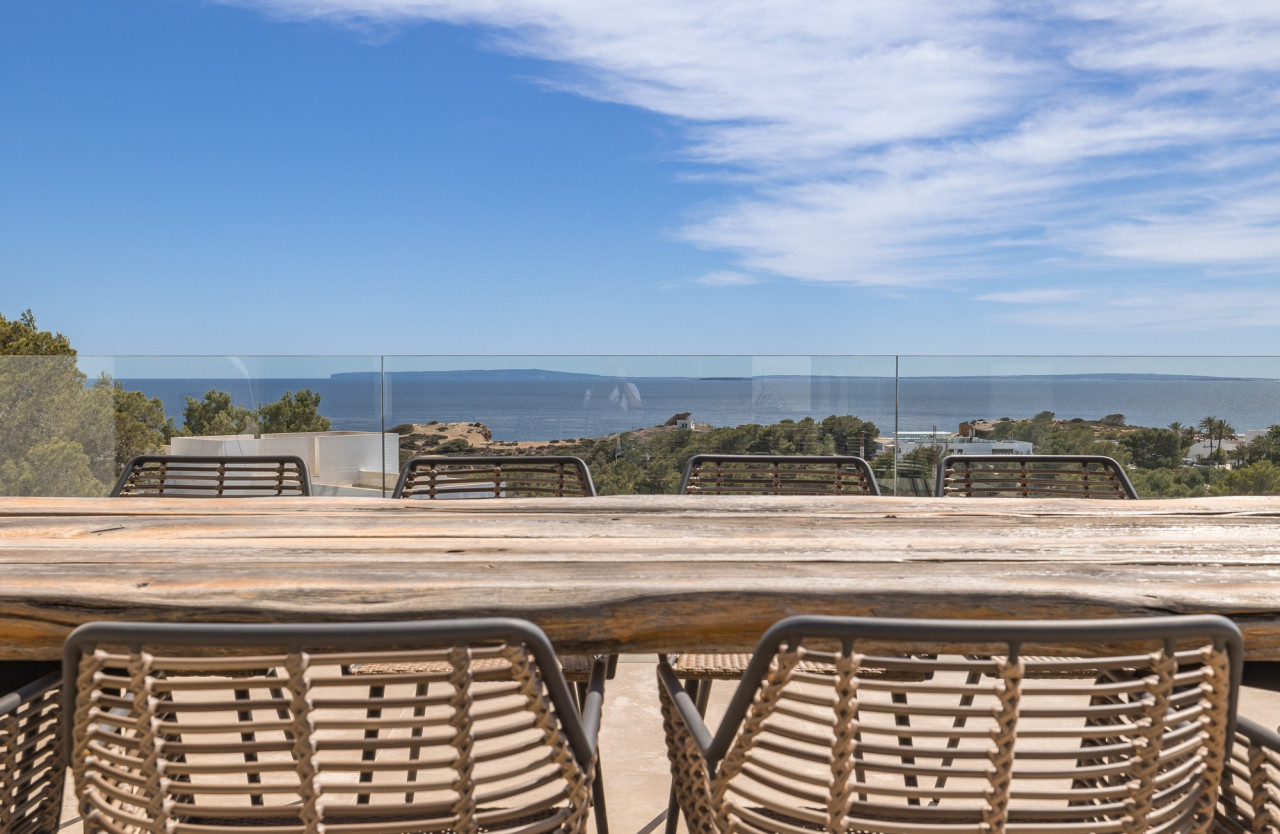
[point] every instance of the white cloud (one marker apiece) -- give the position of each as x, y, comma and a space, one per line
897, 144
1156, 308
1044, 296
727, 278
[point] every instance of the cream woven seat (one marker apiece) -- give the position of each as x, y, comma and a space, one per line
32, 757
217, 728
994, 744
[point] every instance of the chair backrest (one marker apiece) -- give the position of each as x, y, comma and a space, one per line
32, 757
1075, 727
510, 476
214, 476
1032, 476
777, 475
463, 725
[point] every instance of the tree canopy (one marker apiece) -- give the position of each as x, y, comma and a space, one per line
215, 413
293, 412
57, 437
1153, 448
21, 337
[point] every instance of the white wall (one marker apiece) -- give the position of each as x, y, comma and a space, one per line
331, 457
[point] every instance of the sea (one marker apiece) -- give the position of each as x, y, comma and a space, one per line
554, 406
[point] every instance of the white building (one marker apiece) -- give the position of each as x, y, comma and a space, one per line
1202, 449
340, 462
953, 444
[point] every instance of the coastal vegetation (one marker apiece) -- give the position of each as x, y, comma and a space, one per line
215, 413
649, 461
61, 435
64, 436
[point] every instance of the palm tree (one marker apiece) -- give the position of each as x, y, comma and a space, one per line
1225, 430
1216, 429
1207, 426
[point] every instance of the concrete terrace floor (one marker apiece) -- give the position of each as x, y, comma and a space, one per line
637, 779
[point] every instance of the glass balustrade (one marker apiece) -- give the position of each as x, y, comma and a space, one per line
1183, 426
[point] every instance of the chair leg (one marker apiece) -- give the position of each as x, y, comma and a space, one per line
597, 800
597, 786
905, 742
701, 692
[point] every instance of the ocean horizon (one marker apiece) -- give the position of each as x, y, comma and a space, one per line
532, 404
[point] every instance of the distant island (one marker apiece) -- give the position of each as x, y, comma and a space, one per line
540, 374
506, 374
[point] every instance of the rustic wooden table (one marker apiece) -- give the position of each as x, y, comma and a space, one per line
636, 573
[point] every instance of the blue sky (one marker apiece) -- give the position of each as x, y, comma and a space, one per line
569, 176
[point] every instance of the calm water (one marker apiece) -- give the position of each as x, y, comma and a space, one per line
570, 407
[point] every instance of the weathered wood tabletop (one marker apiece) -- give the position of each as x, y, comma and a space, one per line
636, 573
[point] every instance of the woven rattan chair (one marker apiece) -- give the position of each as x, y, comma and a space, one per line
777, 475
218, 476
1075, 727
218, 728
1032, 476
513, 476
32, 757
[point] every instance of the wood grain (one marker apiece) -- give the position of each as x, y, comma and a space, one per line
638, 573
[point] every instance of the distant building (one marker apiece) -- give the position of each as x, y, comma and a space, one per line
1202, 449
952, 444
686, 423
340, 462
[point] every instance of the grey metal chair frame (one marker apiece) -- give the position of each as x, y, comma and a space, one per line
213, 476
1187, 699
491, 476
32, 757
1032, 476
146, 747
716, 474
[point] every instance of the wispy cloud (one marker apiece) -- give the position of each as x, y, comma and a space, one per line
965, 145
1045, 296
728, 278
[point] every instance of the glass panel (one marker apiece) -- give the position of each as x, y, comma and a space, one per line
332, 417
1177, 423
637, 419
72, 422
